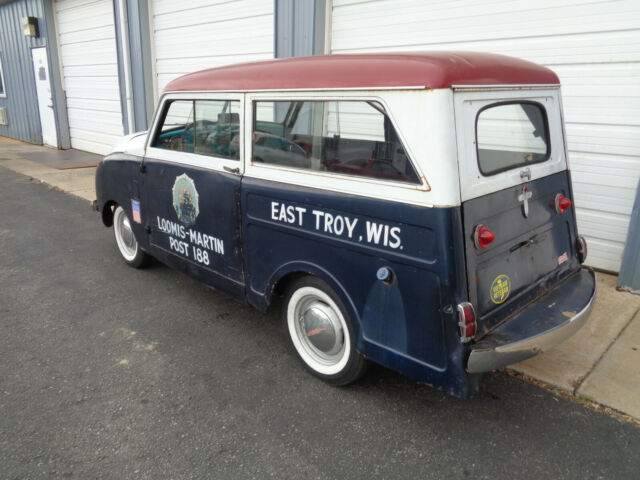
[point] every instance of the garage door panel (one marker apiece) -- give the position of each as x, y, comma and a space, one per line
171, 6
209, 34
94, 105
605, 254
174, 66
410, 23
95, 122
592, 45
212, 15
93, 146
92, 52
619, 140
85, 17
232, 33
100, 33
90, 70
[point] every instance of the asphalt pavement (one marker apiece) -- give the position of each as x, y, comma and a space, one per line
116, 373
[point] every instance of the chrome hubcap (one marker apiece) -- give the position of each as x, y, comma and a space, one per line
319, 330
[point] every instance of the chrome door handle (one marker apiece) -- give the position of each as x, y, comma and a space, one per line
525, 173
231, 170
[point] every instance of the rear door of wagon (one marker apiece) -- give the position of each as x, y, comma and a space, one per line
512, 163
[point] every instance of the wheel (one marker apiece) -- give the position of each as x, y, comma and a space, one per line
126, 240
321, 333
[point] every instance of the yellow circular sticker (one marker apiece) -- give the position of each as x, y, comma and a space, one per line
500, 289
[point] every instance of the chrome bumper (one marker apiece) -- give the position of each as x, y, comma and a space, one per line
542, 325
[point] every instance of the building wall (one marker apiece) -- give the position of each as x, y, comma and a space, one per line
21, 99
594, 47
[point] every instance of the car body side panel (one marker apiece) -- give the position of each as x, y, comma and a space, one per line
409, 324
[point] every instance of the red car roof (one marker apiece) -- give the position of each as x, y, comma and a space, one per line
377, 70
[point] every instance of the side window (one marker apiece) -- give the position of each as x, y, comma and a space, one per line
176, 132
205, 127
348, 137
218, 128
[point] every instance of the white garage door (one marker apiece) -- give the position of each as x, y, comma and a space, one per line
90, 69
209, 33
594, 47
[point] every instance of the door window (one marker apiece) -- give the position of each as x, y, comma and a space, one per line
511, 135
347, 137
204, 127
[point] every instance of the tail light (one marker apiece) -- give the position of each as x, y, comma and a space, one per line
483, 236
582, 249
562, 203
466, 321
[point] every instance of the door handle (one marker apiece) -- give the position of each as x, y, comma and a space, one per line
525, 173
231, 170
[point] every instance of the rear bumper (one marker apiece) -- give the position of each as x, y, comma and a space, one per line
544, 324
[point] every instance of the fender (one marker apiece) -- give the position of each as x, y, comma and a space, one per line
264, 300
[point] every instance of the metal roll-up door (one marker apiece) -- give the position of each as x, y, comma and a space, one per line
208, 33
592, 46
87, 41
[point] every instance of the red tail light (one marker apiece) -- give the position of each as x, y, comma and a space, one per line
482, 236
562, 203
582, 249
466, 321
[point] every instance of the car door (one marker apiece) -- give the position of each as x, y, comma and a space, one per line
191, 187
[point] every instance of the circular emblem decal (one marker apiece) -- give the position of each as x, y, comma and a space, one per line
185, 199
500, 289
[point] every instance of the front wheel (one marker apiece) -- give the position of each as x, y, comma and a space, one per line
321, 332
126, 240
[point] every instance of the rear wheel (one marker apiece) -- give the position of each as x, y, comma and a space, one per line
126, 240
321, 332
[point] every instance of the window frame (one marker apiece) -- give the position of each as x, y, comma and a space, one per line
547, 134
320, 96
192, 159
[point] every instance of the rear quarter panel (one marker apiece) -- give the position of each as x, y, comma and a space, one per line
407, 325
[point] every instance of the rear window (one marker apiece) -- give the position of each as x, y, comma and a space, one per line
511, 135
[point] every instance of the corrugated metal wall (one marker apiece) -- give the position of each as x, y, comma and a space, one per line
209, 33
21, 101
594, 46
294, 28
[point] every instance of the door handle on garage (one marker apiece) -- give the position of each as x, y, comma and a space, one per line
231, 170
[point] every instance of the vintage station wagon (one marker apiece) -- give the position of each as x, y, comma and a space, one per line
414, 210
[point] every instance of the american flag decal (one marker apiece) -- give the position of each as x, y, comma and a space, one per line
135, 209
563, 258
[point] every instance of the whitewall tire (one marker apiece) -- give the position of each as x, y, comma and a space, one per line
126, 240
321, 333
